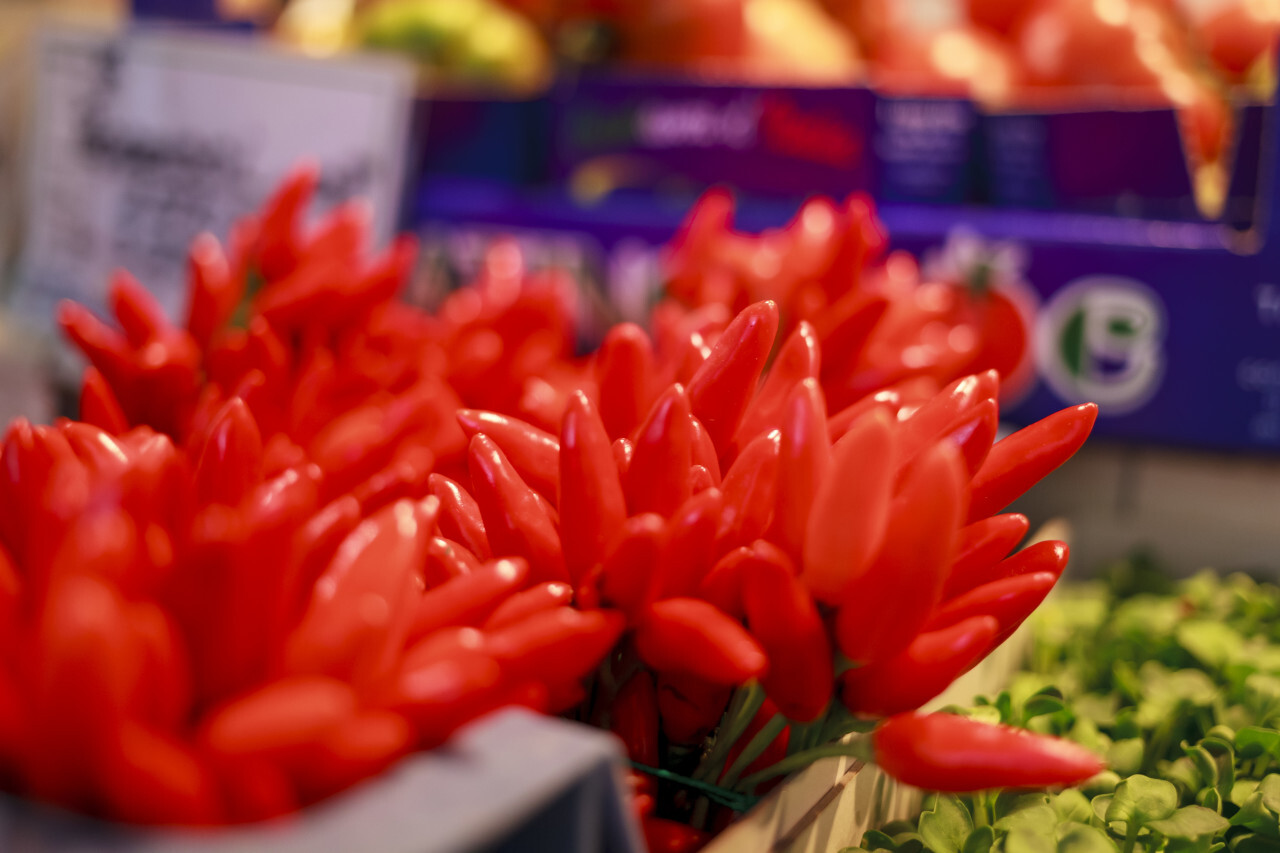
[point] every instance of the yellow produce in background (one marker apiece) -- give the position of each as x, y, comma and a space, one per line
467, 42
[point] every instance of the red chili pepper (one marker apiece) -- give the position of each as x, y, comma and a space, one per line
164, 697
657, 479
445, 560
533, 453
625, 369
98, 404
633, 717
888, 399
105, 348
846, 525
443, 693
785, 621
231, 460
700, 480
213, 292
558, 645
543, 596
844, 333
750, 491
404, 477
804, 457
937, 416
279, 243
974, 433
668, 836
1049, 556
516, 524
945, 752
460, 518
685, 635
591, 503
623, 450
1020, 460
798, 359
359, 747
919, 672
137, 311
362, 606
982, 544
629, 573
889, 604
468, 599
689, 550
1009, 600
689, 707
724, 384
156, 779
704, 452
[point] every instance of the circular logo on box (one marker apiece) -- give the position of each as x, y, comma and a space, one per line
1101, 339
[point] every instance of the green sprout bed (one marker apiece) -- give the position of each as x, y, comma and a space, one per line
1177, 683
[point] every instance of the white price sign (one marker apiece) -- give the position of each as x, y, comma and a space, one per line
140, 141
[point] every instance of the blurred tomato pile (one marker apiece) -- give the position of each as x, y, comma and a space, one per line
311, 528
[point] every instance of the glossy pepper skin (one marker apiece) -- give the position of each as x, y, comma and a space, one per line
690, 636
893, 600
945, 752
919, 672
722, 387
1020, 460
590, 499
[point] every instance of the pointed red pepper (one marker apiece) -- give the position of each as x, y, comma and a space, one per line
539, 597
590, 500
724, 384
982, 544
231, 460
689, 550
750, 491
919, 672
362, 605
467, 600
947, 752
629, 573
460, 518
625, 369
514, 521
1019, 461
98, 404
279, 243
213, 293
846, 525
685, 635
633, 717
534, 454
1010, 600
657, 479
889, 604
799, 359
785, 621
558, 645
804, 458
704, 451
445, 560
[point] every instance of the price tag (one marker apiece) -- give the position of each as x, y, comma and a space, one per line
141, 141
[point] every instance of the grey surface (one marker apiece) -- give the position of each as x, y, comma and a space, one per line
514, 781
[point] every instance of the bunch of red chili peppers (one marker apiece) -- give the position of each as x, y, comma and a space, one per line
314, 529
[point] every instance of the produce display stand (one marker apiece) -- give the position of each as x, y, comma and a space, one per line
511, 781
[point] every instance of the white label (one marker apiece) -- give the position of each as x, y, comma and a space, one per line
141, 141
